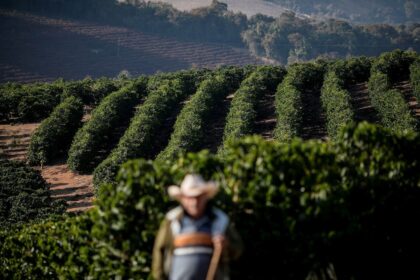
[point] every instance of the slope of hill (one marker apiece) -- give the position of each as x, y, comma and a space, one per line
248, 7
53, 48
357, 11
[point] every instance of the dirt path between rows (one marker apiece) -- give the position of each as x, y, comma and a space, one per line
313, 117
407, 91
76, 190
266, 120
363, 109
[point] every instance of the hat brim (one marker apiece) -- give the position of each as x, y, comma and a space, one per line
210, 189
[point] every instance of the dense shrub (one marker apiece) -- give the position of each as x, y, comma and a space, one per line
315, 205
141, 137
97, 136
335, 98
242, 114
353, 70
395, 64
53, 249
53, 137
390, 104
190, 126
415, 78
24, 195
300, 78
34, 102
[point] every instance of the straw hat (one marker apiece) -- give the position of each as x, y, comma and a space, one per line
193, 185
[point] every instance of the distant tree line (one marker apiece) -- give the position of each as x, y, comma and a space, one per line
287, 39
358, 11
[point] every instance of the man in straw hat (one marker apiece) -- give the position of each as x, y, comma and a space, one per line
195, 240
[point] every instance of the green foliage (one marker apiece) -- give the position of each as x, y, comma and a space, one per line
37, 102
24, 195
140, 139
317, 205
242, 114
391, 106
300, 78
90, 91
336, 99
10, 94
395, 64
415, 78
353, 70
34, 102
190, 126
54, 249
53, 137
98, 135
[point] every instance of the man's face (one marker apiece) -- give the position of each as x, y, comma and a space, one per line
194, 205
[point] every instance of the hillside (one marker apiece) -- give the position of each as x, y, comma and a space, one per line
286, 38
357, 11
53, 48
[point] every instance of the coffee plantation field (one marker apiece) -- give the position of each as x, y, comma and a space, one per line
318, 164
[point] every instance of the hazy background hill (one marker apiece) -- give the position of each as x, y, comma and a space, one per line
356, 11
231, 33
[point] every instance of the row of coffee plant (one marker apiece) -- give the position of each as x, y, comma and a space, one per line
141, 137
312, 204
24, 195
335, 98
415, 78
243, 112
34, 102
300, 78
99, 133
53, 137
192, 123
391, 106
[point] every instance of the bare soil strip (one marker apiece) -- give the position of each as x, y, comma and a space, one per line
266, 116
215, 126
363, 109
76, 190
313, 117
407, 91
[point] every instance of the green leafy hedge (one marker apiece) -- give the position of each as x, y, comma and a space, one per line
53, 137
336, 103
335, 98
34, 102
24, 195
98, 135
242, 114
140, 139
390, 104
300, 78
415, 78
190, 126
395, 64
346, 207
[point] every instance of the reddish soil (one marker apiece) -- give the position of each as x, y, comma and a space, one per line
41, 48
76, 190
215, 126
313, 117
266, 116
407, 92
362, 107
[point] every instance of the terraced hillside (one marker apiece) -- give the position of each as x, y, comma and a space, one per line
36, 48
